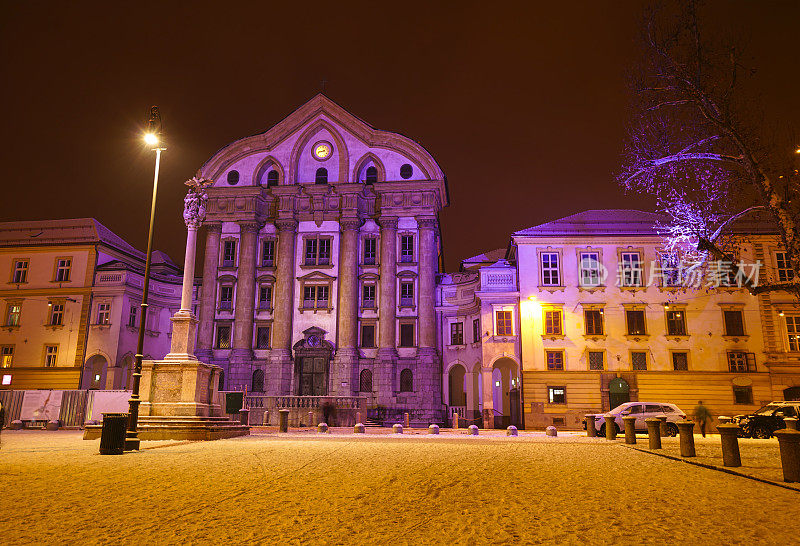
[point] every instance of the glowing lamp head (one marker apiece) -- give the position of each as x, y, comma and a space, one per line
151, 139
780, 313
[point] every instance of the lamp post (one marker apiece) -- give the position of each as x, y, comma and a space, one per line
153, 138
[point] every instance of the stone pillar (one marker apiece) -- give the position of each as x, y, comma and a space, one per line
385, 363
629, 421
611, 427
347, 311
653, 432
686, 430
241, 357
208, 301
591, 432
428, 267
281, 355
789, 442
729, 436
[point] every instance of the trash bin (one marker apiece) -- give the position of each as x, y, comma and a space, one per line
112, 437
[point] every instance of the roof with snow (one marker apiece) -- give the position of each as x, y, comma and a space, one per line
598, 222
72, 231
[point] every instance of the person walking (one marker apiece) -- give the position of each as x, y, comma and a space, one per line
702, 415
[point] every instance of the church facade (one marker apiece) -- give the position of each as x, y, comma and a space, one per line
322, 250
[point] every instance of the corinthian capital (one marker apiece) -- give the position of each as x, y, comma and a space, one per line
427, 223
350, 224
388, 222
286, 224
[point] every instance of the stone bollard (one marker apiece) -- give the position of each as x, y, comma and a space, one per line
724, 420
512, 431
730, 444
244, 416
433, 429
662, 426
311, 418
406, 421
591, 432
53, 425
397, 428
611, 427
629, 421
359, 429
472, 430
789, 442
455, 421
322, 427
551, 431
358, 417
16, 424
265, 418
653, 432
686, 430
283, 421
790, 423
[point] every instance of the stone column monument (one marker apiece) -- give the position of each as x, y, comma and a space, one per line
180, 384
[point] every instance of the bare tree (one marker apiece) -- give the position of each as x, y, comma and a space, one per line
694, 146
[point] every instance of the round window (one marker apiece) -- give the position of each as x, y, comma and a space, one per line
233, 177
406, 171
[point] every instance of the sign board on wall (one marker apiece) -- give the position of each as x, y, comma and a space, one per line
41, 405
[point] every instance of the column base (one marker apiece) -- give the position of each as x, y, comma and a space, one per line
184, 333
184, 388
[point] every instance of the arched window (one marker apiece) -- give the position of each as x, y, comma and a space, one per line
406, 171
258, 381
371, 175
322, 176
233, 177
406, 381
365, 381
272, 178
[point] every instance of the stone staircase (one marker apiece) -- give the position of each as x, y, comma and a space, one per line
180, 428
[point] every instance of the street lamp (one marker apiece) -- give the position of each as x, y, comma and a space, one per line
155, 139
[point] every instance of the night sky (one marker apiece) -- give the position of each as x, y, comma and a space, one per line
523, 105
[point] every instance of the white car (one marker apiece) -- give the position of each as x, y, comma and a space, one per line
642, 411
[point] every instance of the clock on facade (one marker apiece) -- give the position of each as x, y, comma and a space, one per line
322, 150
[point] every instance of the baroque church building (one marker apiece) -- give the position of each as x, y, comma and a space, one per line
322, 251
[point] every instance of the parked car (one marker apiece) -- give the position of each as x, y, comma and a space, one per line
642, 411
764, 422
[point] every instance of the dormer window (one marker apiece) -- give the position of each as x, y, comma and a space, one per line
322, 176
371, 175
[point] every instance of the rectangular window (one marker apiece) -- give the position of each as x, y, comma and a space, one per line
734, 323
370, 254
635, 319
743, 395
680, 361
20, 273
406, 248
639, 360
63, 266
368, 296
56, 314
315, 297
552, 322
103, 313
223, 337
503, 320
13, 314
555, 360
50, 355
550, 271
557, 395
793, 331
132, 314
229, 253
590, 274
406, 293
593, 319
670, 270
6, 356
268, 253
262, 337
740, 361
368, 335
226, 298
407, 334
476, 330
596, 360
456, 333
630, 269
265, 296
318, 251
785, 271
676, 323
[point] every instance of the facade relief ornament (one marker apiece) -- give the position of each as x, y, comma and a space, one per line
194, 204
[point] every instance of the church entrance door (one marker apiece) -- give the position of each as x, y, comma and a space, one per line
313, 376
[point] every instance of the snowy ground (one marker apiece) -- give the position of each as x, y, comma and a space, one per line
379, 488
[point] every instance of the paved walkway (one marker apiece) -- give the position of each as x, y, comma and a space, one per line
55, 488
